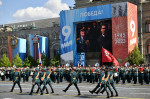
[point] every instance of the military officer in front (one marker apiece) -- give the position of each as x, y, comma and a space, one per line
36, 81
16, 80
48, 80
73, 81
43, 80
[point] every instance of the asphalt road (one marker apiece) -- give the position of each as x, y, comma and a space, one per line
126, 91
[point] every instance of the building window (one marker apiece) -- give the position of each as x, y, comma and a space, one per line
147, 27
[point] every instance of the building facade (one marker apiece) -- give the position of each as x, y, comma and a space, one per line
47, 27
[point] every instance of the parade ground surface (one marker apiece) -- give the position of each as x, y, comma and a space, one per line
126, 91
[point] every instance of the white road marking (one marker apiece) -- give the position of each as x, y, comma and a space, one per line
80, 91
7, 98
22, 88
131, 88
141, 93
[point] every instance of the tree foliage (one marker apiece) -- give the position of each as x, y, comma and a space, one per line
32, 61
45, 60
5, 61
56, 60
26, 62
17, 61
135, 57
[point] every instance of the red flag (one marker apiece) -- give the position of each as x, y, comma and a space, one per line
108, 57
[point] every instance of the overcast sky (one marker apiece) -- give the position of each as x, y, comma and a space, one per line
12, 11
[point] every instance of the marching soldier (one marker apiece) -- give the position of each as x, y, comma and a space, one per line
53, 75
80, 74
27, 74
97, 73
112, 82
73, 81
141, 75
58, 71
48, 80
3, 74
108, 74
92, 75
135, 74
84, 74
102, 75
88, 73
104, 83
129, 77
61, 74
123, 72
116, 75
43, 81
146, 75
11, 73
36, 81
16, 80
24, 74
7, 73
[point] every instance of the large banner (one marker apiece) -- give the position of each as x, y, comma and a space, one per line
120, 37
43, 44
68, 33
16, 45
124, 35
132, 27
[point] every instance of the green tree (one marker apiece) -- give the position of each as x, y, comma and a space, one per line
43, 56
17, 61
56, 60
135, 57
45, 60
32, 61
26, 62
5, 61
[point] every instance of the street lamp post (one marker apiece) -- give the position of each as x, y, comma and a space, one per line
141, 32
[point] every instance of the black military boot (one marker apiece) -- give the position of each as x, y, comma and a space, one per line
20, 90
116, 93
107, 95
52, 91
98, 91
79, 94
111, 94
64, 90
11, 90
41, 93
91, 92
46, 91
31, 93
